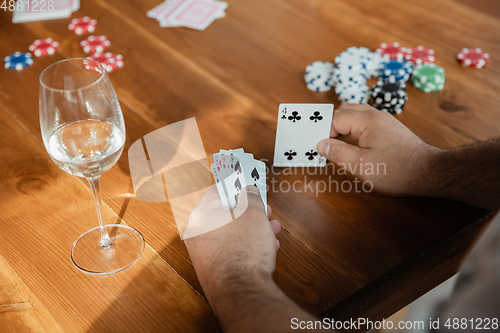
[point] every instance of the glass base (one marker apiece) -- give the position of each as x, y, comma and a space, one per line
89, 257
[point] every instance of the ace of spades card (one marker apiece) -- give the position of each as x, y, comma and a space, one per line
229, 179
300, 128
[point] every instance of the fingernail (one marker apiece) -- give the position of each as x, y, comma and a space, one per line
323, 148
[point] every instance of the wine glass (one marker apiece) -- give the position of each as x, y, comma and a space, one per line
84, 133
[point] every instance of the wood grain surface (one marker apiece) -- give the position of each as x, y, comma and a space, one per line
342, 254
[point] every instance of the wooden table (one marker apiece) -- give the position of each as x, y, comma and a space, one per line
342, 254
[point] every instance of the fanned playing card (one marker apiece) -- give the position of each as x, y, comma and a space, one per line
229, 179
300, 128
232, 168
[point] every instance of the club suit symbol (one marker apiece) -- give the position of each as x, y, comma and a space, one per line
290, 154
294, 117
311, 154
316, 116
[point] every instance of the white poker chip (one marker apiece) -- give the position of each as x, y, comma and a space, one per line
354, 59
354, 94
373, 67
318, 76
345, 77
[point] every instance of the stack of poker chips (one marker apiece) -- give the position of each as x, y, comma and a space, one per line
397, 68
389, 95
428, 77
319, 76
354, 66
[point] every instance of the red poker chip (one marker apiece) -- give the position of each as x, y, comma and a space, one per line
473, 57
420, 55
82, 25
95, 44
393, 50
43, 47
109, 60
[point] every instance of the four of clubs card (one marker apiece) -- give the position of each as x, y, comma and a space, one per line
300, 128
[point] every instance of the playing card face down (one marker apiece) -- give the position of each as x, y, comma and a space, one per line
300, 128
39, 10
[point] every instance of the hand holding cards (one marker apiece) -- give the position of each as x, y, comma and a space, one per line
300, 128
233, 170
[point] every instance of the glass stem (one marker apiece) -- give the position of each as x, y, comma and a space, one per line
96, 189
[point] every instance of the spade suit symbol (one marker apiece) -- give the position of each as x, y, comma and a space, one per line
237, 184
237, 167
255, 174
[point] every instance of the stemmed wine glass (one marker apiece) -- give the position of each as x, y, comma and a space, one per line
84, 133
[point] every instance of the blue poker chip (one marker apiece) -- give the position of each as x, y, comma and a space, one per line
398, 69
18, 60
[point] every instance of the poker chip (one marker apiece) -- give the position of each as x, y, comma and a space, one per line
109, 60
43, 47
392, 51
93, 44
344, 77
354, 94
18, 60
420, 55
428, 77
318, 76
473, 57
354, 59
82, 25
373, 66
389, 95
397, 68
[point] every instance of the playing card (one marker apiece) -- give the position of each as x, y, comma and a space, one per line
38, 10
197, 14
254, 171
229, 179
153, 13
163, 17
300, 128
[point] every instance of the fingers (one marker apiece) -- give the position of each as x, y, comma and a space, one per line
355, 119
276, 226
277, 245
338, 151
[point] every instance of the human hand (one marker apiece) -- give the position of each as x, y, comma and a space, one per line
243, 250
399, 158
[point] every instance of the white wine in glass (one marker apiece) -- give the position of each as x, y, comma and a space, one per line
84, 133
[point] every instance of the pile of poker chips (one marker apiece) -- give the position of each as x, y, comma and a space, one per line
319, 76
473, 57
428, 77
398, 68
83, 25
94, 45
354, 65
389, 95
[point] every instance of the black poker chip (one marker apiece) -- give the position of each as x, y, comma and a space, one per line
389, 95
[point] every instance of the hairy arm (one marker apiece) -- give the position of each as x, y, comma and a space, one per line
235, 263
468, 174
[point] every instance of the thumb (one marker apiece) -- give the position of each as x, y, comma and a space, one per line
338, 151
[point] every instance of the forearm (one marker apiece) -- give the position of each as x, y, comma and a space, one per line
254, 304
469, 174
